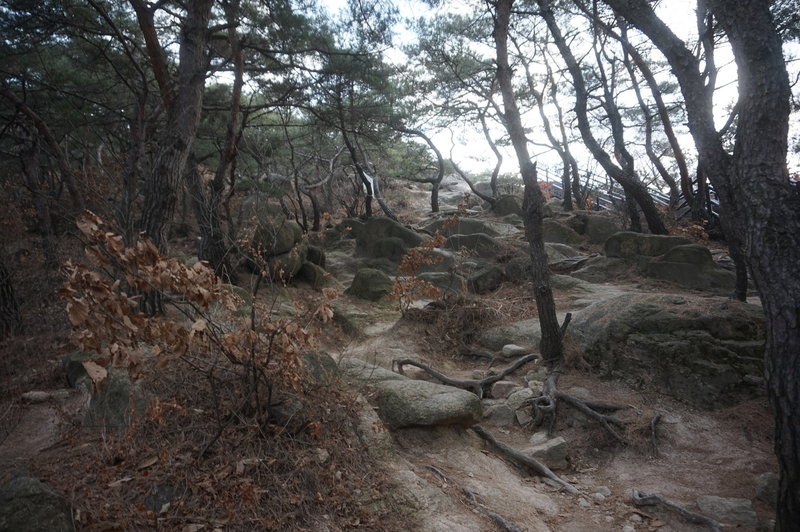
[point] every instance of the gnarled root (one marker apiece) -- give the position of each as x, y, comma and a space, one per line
547, 402
479, 387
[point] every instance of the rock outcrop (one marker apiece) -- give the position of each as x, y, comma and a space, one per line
703, 351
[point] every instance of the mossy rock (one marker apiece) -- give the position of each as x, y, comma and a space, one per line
29, 505
313, 275
483, 245
485, 278
627, 244
464, 226
553, 231
508, 204
370, 284
276, 236
699, 350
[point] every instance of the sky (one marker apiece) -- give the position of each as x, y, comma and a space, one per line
468, 146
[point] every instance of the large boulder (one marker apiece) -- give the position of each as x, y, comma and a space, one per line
629, 245
508, 204
370, 284
485, 278
275, 236
702, 351
464, 226
594, 226
554, 231
111, 406
411, 403
28, 505
692, 266
483, 245
384, 237
521, 268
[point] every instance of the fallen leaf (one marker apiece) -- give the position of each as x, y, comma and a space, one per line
96, 372
147, 462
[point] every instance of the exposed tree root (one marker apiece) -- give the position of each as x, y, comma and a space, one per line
479, 387
644, 499
524, 460
501, 521
547, 402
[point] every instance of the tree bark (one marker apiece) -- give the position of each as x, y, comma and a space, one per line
184, 105
533, 203
10, 317
754, 189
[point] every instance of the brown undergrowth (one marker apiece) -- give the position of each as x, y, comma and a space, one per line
243, 429
311, 473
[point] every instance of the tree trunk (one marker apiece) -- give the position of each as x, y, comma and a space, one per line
10, 317
533, 202
164, 178
754, 189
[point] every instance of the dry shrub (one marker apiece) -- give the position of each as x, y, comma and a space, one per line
454, 320
237, 435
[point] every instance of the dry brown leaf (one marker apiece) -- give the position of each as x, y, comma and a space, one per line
96, 372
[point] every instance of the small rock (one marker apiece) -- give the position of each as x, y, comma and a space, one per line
603, 490
322, 455
552, 452
598, 497
628, 528
536, 386
536, 375
500, 415
516, 399
502, 389
523, 418
513, 350
35, 396
539, 437
731, 511
635, 518
583, 503
767, 488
